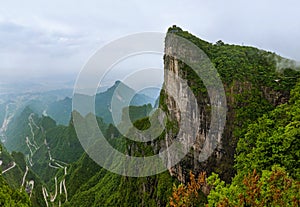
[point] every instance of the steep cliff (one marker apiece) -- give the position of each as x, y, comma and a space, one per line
253, 86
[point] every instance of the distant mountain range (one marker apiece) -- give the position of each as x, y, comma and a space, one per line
60, 110
57, 104
12, 105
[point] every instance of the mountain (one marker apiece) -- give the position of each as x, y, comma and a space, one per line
43, 149
58, 105
253, 86
53, 153
42, 141
12, 105
95, 185
104, 106
252, 162
61, 110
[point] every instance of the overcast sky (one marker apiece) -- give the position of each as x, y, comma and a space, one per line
55, 38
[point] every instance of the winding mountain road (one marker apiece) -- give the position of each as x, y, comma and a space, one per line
8, 169
56, 164
24, 177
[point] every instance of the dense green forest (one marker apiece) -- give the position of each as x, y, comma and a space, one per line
9, 196
12, 197
256, 163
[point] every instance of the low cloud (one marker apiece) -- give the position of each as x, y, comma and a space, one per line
37, 51
54, 37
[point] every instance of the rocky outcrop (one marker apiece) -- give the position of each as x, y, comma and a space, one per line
207, 139
239, 93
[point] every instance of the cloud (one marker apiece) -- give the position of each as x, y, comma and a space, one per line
42, 38
39, 51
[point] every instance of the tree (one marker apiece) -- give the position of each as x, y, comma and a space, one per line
219, 43
190, 194
12, 198
273, 139
271, 188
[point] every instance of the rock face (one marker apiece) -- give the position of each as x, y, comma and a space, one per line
239, 93
181, 170
203, 131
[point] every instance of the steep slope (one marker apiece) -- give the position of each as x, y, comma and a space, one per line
91, 185
20, 128
267, 161
273, 140
18, 176
253, 85
60, 110
11, 197
42, 141
108, 189
48, 148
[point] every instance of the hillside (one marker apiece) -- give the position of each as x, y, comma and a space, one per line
253, 85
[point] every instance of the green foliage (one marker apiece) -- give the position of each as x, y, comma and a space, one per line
255, 82
271, 142
12, 198
80, 172
91, 185
273, 139
139, 112
108, 189
13, 176
271, 188
220, 191
142, 124
17, 131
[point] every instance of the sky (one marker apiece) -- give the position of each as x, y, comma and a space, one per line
52, 40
